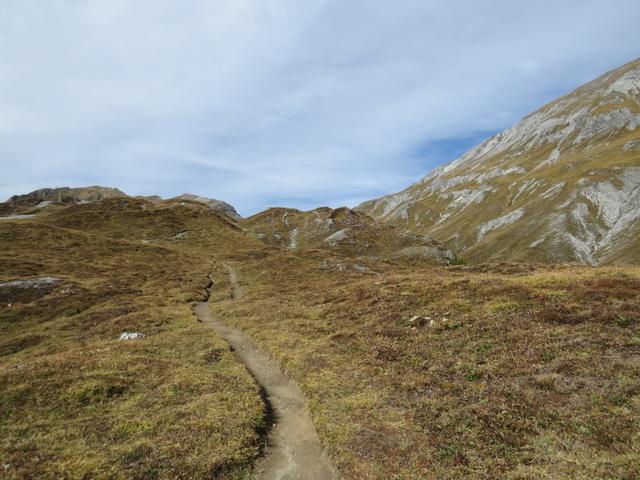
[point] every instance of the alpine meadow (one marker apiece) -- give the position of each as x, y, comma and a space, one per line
482, 323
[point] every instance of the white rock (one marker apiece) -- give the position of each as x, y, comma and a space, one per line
632, 145
553, 190
606, 122
499, 222
464, 198
338, 236
33, 283
17, 217
293, 238
131, 336
627, 84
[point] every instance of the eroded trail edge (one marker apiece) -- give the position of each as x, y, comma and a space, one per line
293, 450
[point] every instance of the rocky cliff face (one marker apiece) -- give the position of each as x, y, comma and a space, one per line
563, 184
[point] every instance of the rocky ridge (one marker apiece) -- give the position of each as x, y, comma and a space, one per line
213, 204
32, 202
46, 197
563, 184
344, 231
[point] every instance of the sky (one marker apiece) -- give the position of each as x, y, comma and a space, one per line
297, 103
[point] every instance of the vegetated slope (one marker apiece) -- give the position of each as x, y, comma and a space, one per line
76, 401
176, 222
492, 371
346, 232
411, 371
561, 185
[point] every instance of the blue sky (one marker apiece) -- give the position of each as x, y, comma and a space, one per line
299, 103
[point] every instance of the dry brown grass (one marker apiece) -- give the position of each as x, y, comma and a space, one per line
527, 372
75, 402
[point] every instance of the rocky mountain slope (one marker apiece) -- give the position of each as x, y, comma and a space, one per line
344, 231
63, 195
563, 184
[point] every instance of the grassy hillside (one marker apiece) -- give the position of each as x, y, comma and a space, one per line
411, 371
75, 402
510, 371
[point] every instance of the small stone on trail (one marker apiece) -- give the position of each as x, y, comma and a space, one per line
131, 336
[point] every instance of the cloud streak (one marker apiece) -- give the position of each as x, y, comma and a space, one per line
272, 102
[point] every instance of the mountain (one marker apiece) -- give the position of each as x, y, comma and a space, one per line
562, 185
47, 197
114, 315
63, 195
344, 231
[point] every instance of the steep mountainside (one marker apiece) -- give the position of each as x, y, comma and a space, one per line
343, 231
563, 184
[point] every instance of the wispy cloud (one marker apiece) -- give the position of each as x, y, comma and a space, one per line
262, 102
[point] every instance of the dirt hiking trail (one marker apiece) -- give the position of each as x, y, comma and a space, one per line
293, 451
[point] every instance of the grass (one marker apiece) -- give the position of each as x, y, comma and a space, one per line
512, 371
526, 372
75, 402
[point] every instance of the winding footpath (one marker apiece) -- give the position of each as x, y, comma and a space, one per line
293, 450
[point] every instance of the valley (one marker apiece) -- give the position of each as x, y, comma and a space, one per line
409, 369
483, 323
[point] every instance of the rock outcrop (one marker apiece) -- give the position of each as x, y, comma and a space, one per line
563, 184
46, 197
215, 205
344, 231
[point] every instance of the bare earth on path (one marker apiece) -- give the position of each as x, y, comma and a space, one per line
293, 450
